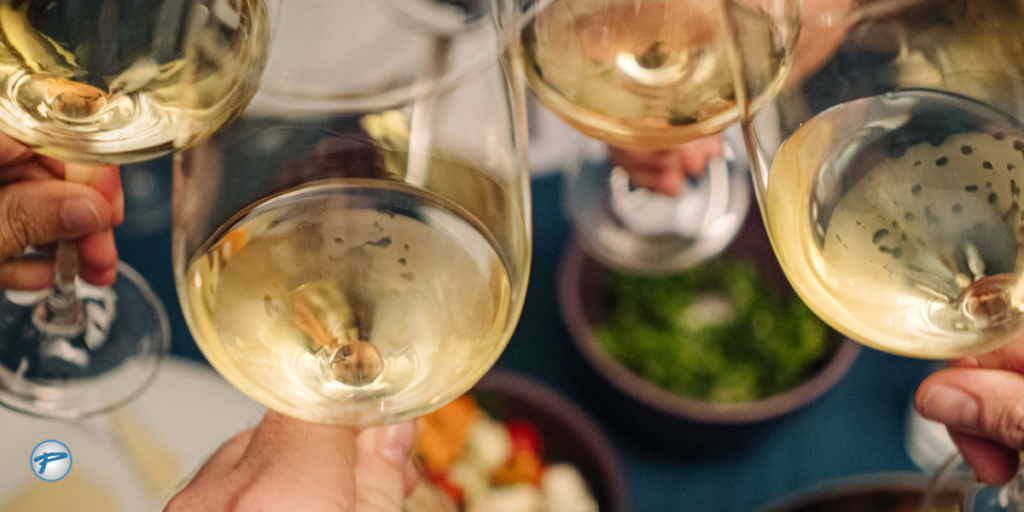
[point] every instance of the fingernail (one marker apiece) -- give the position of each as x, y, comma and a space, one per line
395, 441
951, 406
79, 215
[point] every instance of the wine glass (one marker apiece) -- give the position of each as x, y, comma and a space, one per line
894, 202
354, 249
647, 77
104, 82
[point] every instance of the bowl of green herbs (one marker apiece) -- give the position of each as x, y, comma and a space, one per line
724, 342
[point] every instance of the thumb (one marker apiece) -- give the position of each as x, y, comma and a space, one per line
43, 211
382, 454
977, 405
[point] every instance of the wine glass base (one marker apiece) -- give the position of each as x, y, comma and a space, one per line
72, 375
642, 231
954, 487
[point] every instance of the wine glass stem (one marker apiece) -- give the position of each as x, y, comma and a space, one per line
63, 295
63, 312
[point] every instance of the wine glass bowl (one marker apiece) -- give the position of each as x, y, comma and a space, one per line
96, 84
902, 200
893, 203
654, 74
355, 255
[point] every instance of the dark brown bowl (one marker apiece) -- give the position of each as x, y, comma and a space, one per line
871, 492
672, 417
568, 434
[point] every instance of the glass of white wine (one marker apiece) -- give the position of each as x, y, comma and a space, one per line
355, 248
108, 82
645, 77
893, 203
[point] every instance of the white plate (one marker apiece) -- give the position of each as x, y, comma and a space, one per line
186, 414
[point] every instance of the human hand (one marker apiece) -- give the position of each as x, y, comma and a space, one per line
981, 402
286, 465
666, 171
37, 207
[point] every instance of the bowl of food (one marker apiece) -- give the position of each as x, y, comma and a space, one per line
726, 343
870, 492
514, 445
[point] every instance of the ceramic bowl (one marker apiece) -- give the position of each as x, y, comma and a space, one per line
669, 416
567, 432
869, 492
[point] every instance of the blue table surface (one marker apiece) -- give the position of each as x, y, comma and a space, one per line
857, 427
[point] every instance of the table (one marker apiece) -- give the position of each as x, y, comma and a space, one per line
857, 427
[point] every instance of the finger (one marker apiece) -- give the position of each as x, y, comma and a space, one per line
1010, 357
27, 170
667, 183
695, 156
410, 477
97, 258
39, 212
980, 402
381, 461
639, 159
297, 465
227, 456
26, 274
106, 179
993, 463
210, 489
52, 164
12, 151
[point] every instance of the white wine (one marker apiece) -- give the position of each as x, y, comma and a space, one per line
908, 229
352, 301
653, 74
117, 82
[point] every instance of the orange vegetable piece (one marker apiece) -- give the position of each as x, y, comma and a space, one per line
523, 466
442, 433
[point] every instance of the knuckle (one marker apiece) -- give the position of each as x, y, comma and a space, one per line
18, 229
1010, 425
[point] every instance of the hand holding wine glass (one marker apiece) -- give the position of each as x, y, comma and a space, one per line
666, 171
91, 84
39, 210
289, 465
978, 399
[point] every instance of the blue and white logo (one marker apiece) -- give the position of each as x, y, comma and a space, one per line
51, 460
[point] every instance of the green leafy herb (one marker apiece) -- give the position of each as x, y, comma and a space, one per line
717, 332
